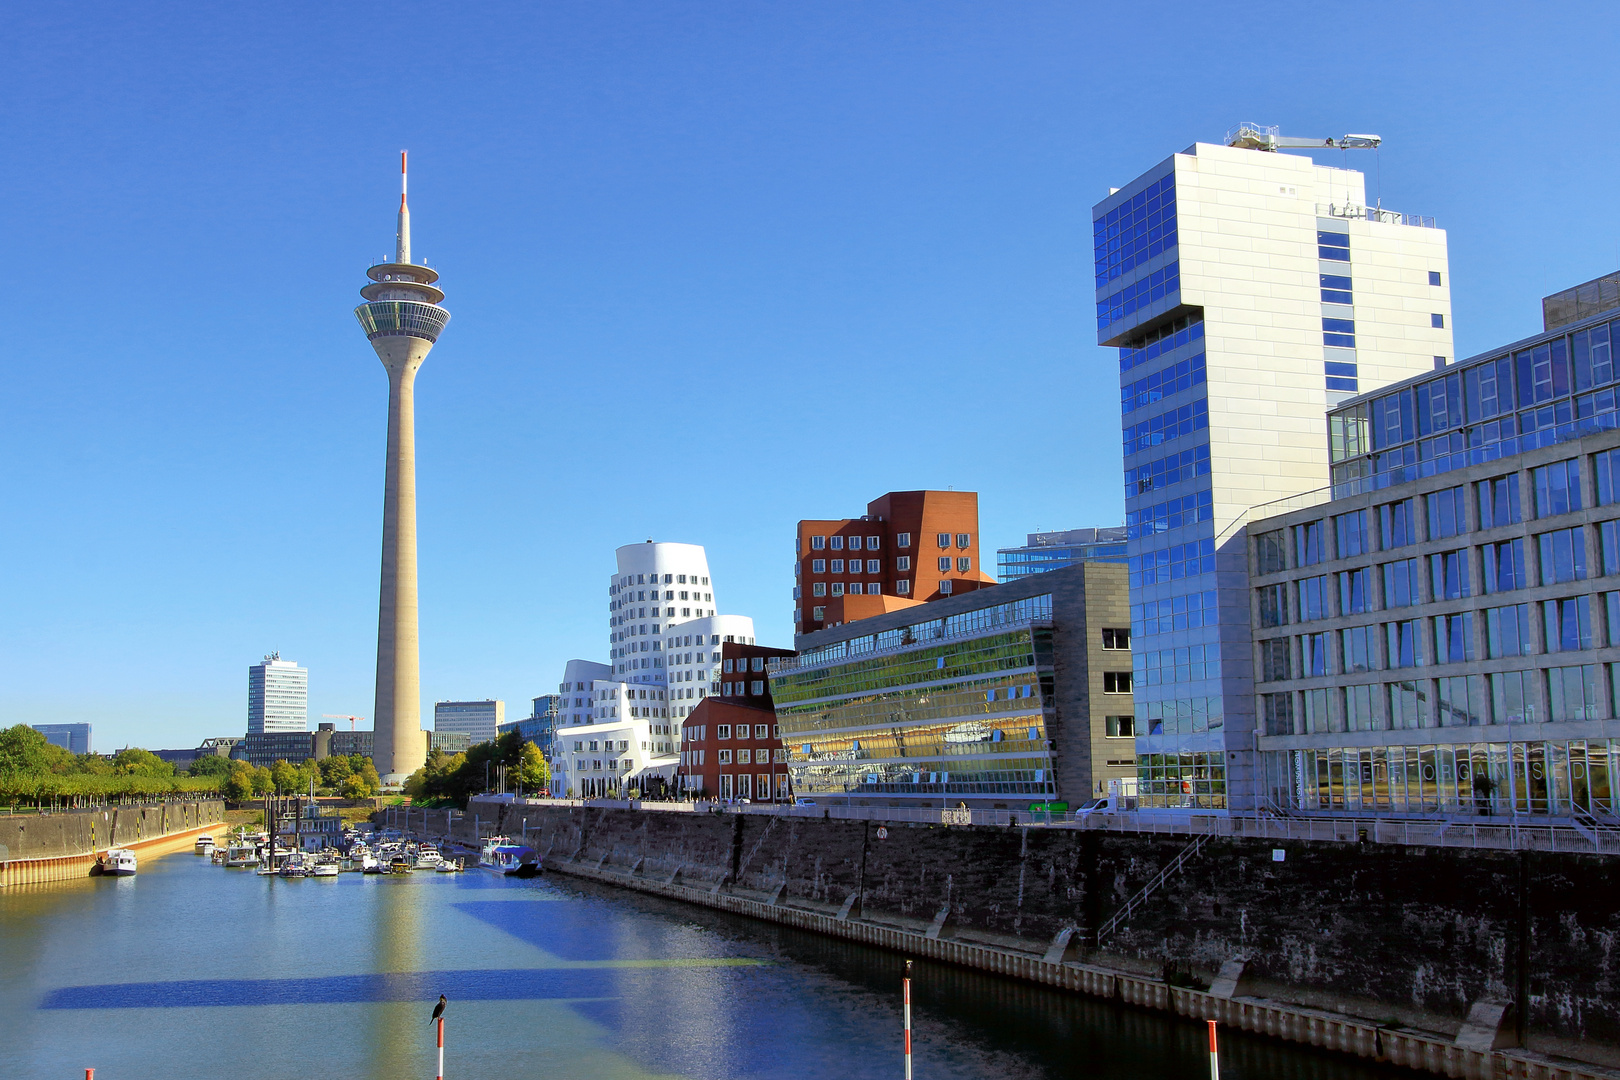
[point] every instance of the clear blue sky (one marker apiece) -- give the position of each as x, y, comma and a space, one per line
713, 268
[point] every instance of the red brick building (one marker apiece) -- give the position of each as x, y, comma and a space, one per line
731, 747
908, 548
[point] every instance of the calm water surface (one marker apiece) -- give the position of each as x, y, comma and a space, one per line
191, 971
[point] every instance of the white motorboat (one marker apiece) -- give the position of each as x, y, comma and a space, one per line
204, 845
370, 864
447, 866
428, 857
513, 860
325, 868
241, 855
119, 862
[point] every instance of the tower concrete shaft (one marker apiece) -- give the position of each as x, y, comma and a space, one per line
402, 319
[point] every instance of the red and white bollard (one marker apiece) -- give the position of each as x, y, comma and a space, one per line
1214, 1057
905, 994
441, 1048
89, 1074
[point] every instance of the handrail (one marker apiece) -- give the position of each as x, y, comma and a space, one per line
1171, 868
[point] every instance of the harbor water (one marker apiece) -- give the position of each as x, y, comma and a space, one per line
189, 971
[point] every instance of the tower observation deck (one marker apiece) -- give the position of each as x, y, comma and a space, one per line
402, 319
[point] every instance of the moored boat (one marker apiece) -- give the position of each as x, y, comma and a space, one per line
399, 864
119, 862
204, 845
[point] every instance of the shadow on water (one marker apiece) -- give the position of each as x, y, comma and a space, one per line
1057, 1035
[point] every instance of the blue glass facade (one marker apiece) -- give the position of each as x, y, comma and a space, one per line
1056, 550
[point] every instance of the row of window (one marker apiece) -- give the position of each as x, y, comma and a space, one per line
1173, 563
1170, 469
700, 732
1139, 294
1172, 514
836, 543
744, 756
1135, 231
1151, 346
873, 566
756, 688
1553, 695
1167, 426
652, 579
1174, 613
873, 588
1161, 384
1188, 663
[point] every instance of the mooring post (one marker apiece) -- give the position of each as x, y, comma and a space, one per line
441, 1048
1214, 1057
905, 995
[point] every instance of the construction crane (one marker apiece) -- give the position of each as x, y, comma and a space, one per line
1266, 137
350, 719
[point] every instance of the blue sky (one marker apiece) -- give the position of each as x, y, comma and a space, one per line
713, 268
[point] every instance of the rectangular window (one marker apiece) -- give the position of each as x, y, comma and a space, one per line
1434, 277
943, 539
1438, 321
1558, 488
1507, 631
1355, 591
1514, 697
873, 566
817, 543
1360, 651
1448, 575
902, 563
1314, 706
1593, 358
1274, 661
725, 757
1504, 565
1402, 639
902, 540
1313, 598
1336, 289
838, 588
964, 540
818, 588
1273, 600
1359, 714
944, 564
1119, 727
902, 588
1339, 333
1116, 682
818, 566
1401, 583
1397, 523
963, 565
1563, 556
837, 565
1334, 246
1313, 655
1606, 473
1408, 706
837, 543
1447, 513
1499, 501
1308, 549
1463, 702
1116, 637
1454, 638
1269, 551
1568, 624
1277, 713
1572, 694
819, 614
1351, 531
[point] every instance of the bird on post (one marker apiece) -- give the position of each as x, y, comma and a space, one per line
438, 1010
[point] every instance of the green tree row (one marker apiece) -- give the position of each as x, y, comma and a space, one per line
453, 779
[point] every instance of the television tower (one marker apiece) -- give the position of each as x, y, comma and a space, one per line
402, 319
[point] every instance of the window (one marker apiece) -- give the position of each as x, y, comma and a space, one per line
1273, 600
1313, 598
1119, 727
1402, 638
1408, 706
902, 540
1339, 333
1313, 655
1314, 708
818, 614
1448, 573
1334, 246
1499, 502
1504, 566
963, 565
1116, 682
1398, 523
944, 564
1360, 652
1454, 638
963, 540
818, 588
1572, 694
745, 757
1606, 473
872, 543
1434, 277
903, 563
943, 539
873, 567
837, 543
1401, 583
1558, 488
1351, 532
1507, 631
727, 667
1269, 551
1568, 624
1563, 556
1277, 713
1438, 321
902, 588
1336, 289
1609, 545
1274, 660
762, 731
756, 687
838, 566
838, 588
1355, 591
1447, 513
725, 759
1514, 697
1308, 544
1116, 637
1611, 605
1358, 708
1463, 701
818, 566
1594, 363
817, 543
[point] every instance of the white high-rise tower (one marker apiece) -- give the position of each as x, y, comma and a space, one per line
402, 319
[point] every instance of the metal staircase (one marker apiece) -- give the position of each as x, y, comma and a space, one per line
1173, 867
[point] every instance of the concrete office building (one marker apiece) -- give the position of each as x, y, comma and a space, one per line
479, 720
1045, 551
997, 698
326, 741
1443, 636
1247, 291
74, 738
402, 320
278, 697
909, 547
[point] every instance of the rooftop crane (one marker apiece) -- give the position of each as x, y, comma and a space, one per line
1248, 136
350, 719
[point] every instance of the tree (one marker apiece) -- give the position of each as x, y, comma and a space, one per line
237, 785
531, 769
25, 751
212, 765
133, 761
335, 770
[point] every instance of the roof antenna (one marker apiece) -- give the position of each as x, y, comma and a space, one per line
402, 242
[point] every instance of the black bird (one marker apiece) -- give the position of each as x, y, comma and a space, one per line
438, 1010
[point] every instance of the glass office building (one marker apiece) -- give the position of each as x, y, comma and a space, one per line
1044, 551
1247, 291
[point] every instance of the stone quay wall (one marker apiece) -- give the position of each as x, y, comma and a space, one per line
1499, 948
60, 846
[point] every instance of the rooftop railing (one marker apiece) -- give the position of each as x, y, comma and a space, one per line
1374, 213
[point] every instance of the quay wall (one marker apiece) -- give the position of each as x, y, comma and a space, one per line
57, 847
1391, 937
